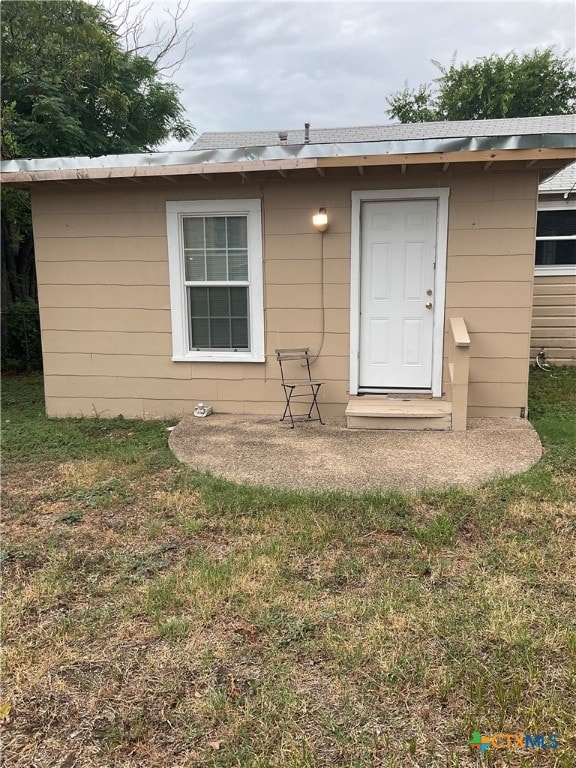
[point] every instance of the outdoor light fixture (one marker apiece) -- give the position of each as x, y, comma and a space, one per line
320, 220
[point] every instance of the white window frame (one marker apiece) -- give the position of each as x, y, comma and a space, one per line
175, 212
555, 270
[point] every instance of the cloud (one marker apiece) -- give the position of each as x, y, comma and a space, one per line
274, 65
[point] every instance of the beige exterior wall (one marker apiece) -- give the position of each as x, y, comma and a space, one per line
105, 305
554, 318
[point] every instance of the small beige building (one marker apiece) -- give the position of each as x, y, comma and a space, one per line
554, 311
171, 278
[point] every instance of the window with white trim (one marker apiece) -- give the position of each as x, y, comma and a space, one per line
556, 238
216, 290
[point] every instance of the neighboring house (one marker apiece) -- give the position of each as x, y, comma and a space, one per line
169, 278
554, 312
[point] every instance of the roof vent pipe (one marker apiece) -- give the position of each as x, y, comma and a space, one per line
306, 133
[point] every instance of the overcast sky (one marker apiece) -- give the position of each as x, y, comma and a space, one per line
276, 65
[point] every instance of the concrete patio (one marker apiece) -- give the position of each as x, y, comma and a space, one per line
262, 451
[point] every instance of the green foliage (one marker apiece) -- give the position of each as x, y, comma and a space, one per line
537, 83
21, 346
552, 409
72, 517
28, 435
69, 88
18, 273
413, 106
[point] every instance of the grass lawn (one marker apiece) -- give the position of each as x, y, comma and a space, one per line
158, 617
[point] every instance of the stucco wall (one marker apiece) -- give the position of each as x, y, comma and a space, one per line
554, 318
105, 305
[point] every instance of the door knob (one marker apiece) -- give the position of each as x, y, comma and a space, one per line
428, 305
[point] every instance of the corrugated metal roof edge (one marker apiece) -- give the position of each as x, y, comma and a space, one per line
251, 157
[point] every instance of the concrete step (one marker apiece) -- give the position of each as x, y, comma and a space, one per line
393, 413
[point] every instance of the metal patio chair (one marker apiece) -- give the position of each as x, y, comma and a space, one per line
298, 362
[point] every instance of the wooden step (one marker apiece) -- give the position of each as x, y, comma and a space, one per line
392, 413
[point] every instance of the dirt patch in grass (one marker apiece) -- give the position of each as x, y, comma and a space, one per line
152, 632
157, 617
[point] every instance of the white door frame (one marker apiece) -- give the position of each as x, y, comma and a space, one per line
442, 195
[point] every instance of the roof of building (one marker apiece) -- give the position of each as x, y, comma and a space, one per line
563, 181
390, 132
532, 139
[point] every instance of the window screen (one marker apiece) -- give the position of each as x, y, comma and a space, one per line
218, 318
556, 237
217, 280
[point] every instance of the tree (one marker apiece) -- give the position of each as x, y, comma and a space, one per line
165, 41
69, 87
537, 83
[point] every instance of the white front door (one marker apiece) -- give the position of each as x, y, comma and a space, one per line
397, 302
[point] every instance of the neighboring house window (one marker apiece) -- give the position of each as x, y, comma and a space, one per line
556, 239
216, 289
